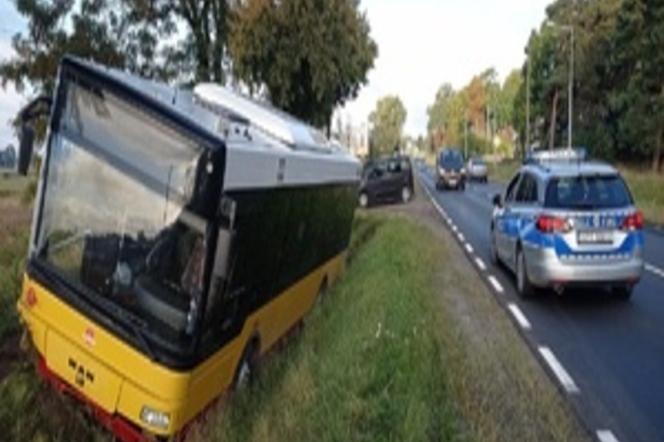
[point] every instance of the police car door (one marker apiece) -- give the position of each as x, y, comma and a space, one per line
522, 212
502, 216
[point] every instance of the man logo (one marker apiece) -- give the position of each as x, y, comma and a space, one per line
89, 337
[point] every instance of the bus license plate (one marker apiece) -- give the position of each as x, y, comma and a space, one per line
596, 237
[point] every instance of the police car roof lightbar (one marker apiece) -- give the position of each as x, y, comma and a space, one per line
565, 155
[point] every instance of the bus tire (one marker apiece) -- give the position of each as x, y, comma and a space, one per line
245, 372
322, 290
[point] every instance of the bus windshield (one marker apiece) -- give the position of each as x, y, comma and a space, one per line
114, 217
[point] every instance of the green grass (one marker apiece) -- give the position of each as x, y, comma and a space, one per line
648, 191
367, 367
12, 262
31, 411
503, 170
13, 184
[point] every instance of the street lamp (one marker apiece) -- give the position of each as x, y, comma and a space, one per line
570, 85
527, 146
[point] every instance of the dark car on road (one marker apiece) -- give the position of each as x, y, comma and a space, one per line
450, 170
386, 180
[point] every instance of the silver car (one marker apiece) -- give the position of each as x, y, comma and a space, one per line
477, 170
568, 223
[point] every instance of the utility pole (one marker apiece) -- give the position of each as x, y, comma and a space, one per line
527, 146
570, 92
570, 81
465, 137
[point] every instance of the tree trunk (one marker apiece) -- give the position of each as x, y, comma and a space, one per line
554, 117
657, 154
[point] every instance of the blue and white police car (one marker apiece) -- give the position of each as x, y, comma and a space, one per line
565, 222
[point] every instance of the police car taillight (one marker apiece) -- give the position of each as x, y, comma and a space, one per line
633, 221
552, 224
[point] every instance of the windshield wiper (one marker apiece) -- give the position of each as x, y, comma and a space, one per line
139, 334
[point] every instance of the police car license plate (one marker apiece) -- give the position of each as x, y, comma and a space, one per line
595, 237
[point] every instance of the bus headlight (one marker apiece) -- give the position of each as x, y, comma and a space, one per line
155, 418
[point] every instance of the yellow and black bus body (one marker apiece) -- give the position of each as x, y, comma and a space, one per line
173, 238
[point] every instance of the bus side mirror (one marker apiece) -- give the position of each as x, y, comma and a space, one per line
497, 201
25, 149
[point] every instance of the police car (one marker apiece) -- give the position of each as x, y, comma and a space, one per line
564, 221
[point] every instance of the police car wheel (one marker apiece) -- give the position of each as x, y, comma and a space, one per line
523, 285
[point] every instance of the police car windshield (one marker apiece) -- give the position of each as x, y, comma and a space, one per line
587, 193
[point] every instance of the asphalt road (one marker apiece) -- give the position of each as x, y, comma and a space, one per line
607, 354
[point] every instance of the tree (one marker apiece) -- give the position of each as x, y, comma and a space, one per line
506, 99
102, 30
637, 93
387, 119
135, 35
311, 55
439, 114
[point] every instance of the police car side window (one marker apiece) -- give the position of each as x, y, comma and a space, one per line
511, 188
527, 192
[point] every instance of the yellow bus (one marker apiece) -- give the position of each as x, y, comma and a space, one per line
177, 235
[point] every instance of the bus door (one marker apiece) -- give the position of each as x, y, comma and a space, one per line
223, 301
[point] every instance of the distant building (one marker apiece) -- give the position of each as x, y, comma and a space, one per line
8, 157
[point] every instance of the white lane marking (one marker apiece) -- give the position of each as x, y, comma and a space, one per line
496, 285
461, 237
519, 316
480, 264
469, 248
656, 270
454, 227
563, 377
606, 436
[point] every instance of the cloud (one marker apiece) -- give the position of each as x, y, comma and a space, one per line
424, 43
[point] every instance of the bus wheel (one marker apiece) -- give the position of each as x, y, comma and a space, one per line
246, 368
322, 290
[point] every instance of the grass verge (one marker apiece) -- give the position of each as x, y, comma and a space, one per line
367, 366
648, 190
407, 347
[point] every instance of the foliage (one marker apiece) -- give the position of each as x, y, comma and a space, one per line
103, 30
387, 120
475, 114
618, 88
311, 55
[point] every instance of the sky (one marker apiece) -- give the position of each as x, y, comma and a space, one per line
422, 44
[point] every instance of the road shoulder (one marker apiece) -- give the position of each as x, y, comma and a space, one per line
501, 390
